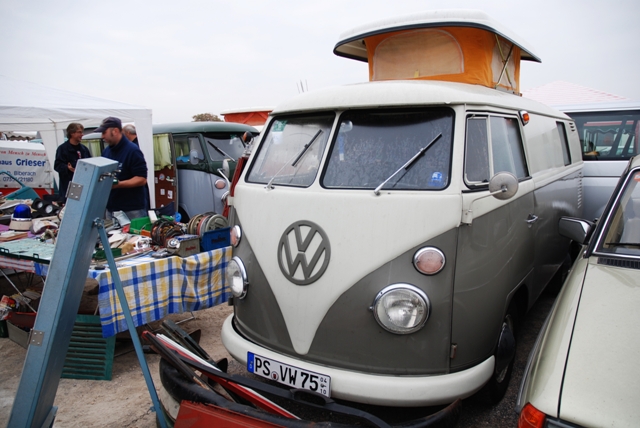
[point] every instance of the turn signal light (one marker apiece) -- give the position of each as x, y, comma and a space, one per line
429, 260
220, 184
530, 417
524, 117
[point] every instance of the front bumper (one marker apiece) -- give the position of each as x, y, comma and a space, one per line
398, 391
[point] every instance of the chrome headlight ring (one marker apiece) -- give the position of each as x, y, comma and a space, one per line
401, 308
237, 278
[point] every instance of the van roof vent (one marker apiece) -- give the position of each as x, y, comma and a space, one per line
453, 45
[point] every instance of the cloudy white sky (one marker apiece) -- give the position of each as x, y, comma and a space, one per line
185, 57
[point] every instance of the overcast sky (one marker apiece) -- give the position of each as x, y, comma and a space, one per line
180, 58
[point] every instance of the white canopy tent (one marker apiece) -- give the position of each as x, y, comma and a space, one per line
26, 106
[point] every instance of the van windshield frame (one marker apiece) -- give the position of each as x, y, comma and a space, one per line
372, 145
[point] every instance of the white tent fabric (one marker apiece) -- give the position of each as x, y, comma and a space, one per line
26, 106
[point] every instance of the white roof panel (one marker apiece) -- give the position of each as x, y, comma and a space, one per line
351, 43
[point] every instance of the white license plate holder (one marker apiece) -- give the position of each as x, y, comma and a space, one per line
286, 374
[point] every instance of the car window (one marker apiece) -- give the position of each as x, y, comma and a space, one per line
608, 135
564, 142
622, 231
184, 144
292, 150
493, 144
372, 147
221, 147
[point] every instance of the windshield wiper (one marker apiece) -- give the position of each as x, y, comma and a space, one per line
219, 150
296, 158
409, 163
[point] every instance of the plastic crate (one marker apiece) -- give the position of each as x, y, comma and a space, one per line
215, 239
137, 225
90, 356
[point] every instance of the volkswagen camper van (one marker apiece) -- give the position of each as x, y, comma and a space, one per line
189, 163
387, 236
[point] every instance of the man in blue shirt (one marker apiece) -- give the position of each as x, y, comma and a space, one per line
128, 194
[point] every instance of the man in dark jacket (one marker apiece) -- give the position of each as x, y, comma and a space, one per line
67, 156
128, 194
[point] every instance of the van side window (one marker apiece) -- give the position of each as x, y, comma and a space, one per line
184, 144
477, 155
493, 145
564, 142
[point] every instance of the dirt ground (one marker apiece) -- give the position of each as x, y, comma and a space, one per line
124, 401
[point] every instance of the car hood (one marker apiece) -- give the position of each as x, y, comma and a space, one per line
602, 378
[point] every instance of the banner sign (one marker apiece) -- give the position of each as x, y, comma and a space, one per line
27, 162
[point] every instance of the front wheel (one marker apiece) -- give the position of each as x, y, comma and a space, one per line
505, 353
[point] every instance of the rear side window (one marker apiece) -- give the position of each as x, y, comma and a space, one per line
564, 142
493, 144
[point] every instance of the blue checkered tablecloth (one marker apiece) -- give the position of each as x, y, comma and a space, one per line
155, 288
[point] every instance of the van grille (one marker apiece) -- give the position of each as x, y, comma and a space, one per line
630, 264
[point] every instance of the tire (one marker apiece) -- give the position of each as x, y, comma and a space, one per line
493, 392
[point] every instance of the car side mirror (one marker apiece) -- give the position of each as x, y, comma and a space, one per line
194, 159
503, 185
575, 229
225, 168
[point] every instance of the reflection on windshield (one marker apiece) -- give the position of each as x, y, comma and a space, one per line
372, 146
622, 233
292, 150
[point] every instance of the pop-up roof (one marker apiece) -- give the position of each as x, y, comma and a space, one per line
454, 45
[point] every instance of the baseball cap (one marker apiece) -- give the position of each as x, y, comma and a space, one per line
109, 122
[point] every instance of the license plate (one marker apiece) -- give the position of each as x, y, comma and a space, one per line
288, 375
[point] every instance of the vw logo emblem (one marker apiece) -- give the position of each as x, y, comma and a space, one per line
303, 252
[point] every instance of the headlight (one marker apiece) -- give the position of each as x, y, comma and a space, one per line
401, 308
237, 278
428, 260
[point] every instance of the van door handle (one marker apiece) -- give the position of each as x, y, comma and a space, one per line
169, 180
532, 219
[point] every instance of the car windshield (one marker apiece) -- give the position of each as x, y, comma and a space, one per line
224, 147
292, 150
622, 231
391, 150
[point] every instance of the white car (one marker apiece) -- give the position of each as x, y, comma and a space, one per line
584, 370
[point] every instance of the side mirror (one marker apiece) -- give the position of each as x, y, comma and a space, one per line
247, 138
575, 229
194, 159
225, 168
503, 185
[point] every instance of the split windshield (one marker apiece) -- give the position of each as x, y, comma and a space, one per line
369, 149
